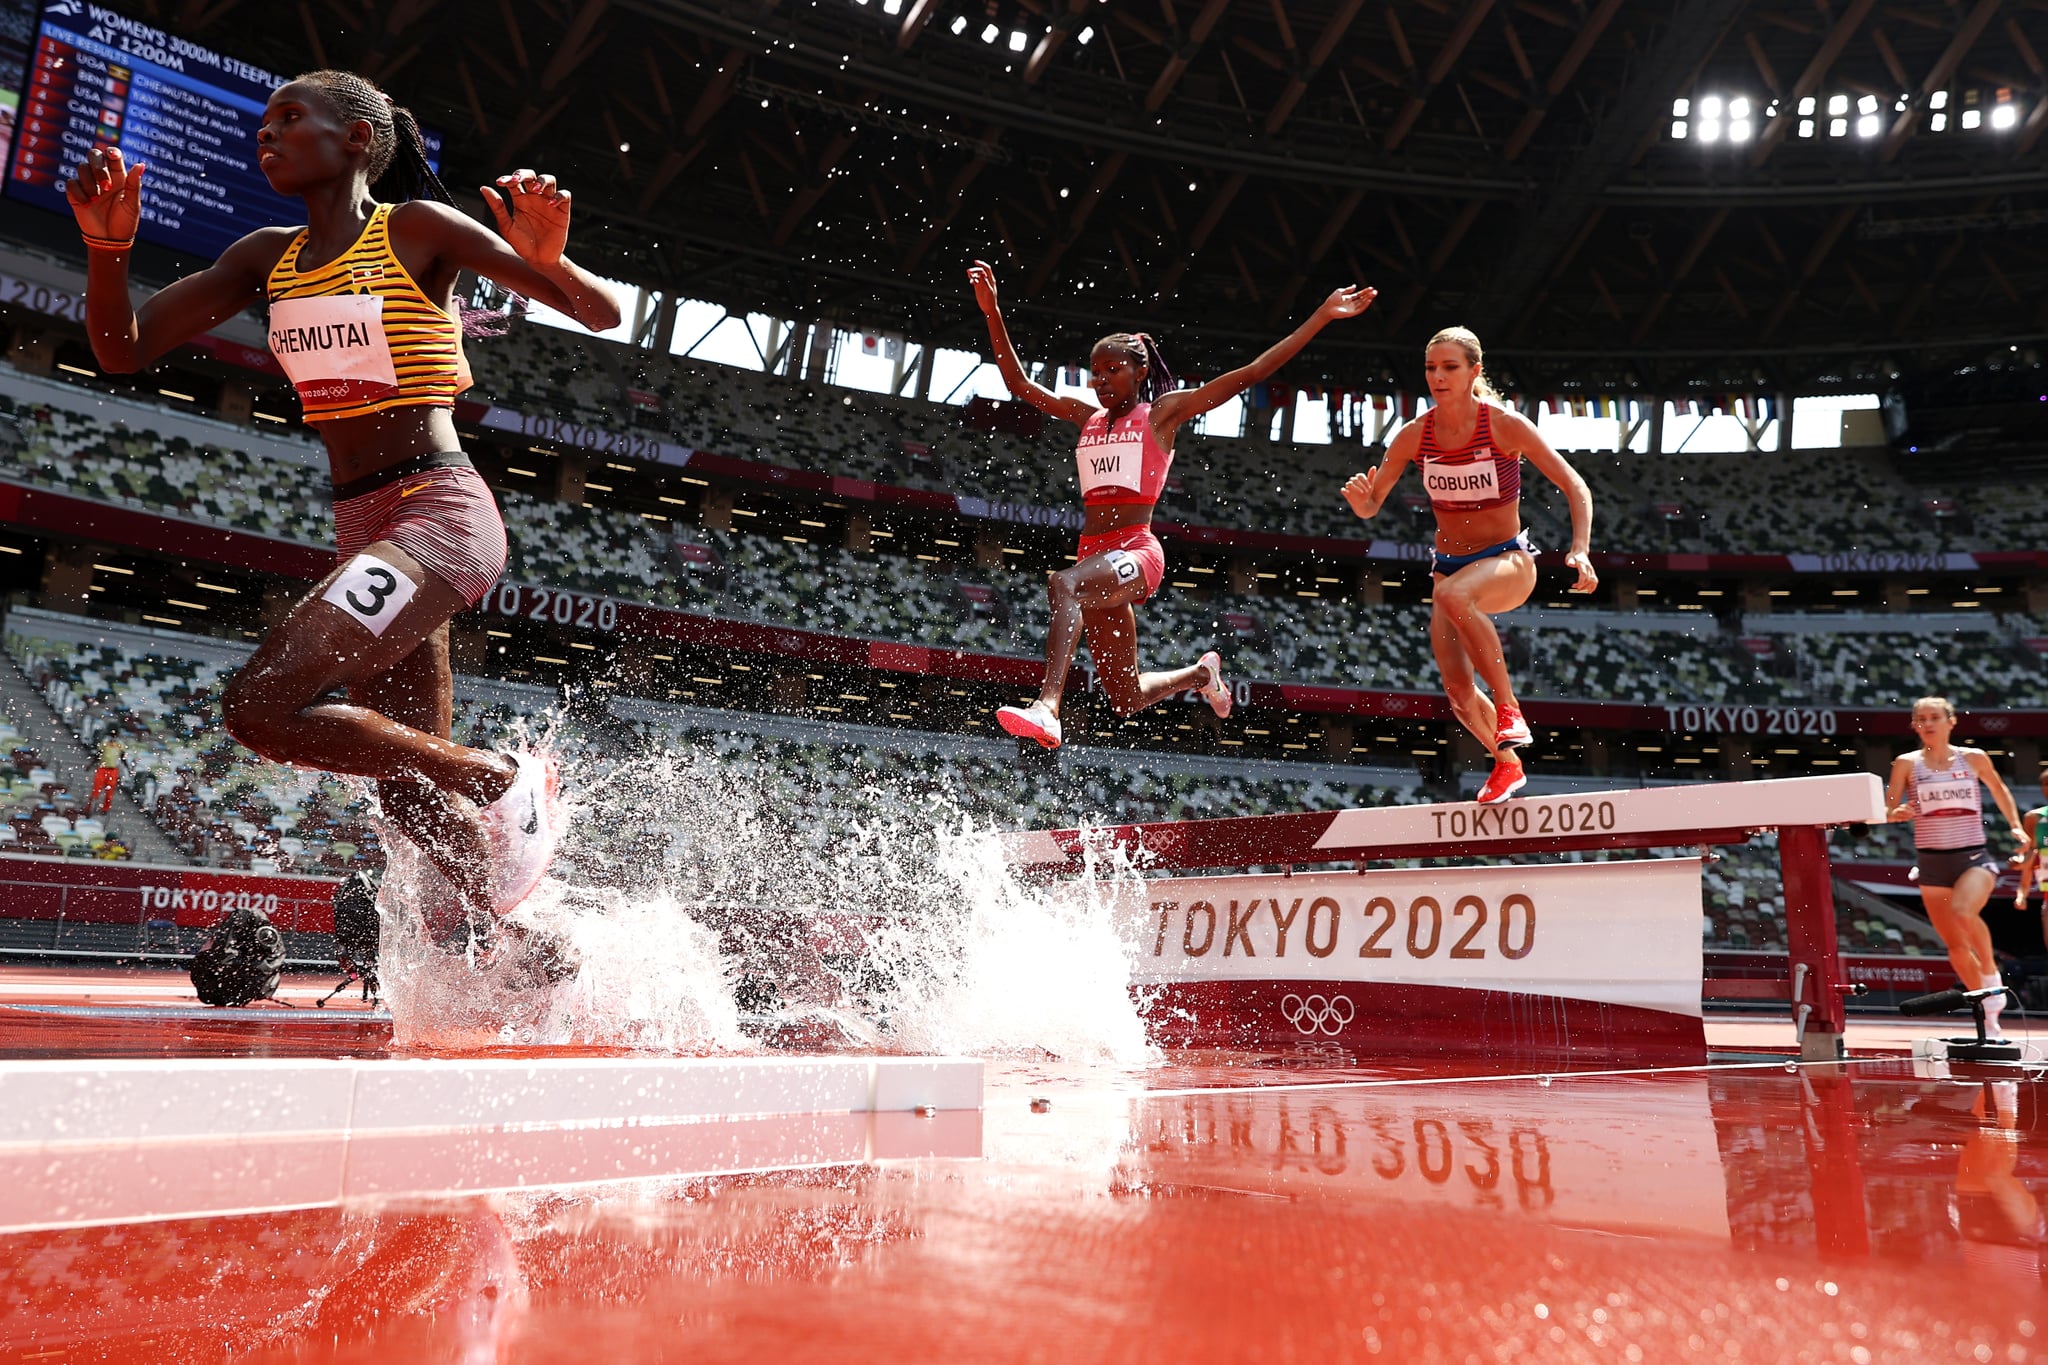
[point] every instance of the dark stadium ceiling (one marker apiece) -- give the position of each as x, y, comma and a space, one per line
1211, 167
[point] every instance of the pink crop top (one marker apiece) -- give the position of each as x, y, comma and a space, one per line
1122, 463
1476, 478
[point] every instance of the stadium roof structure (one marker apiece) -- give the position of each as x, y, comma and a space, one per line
1636, 192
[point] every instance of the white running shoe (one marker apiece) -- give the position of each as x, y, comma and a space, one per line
1035, 721
1215, 691
524, 825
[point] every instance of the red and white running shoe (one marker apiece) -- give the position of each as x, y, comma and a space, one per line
524, 825
1506, 779
1215, 691
1509, 727
1035, 721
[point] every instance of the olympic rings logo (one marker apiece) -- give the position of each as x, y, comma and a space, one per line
1316, 1014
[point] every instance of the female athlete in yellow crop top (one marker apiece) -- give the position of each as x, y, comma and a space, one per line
363, 319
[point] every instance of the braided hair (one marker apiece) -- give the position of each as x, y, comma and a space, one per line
1140, 346
399, 169
398, 153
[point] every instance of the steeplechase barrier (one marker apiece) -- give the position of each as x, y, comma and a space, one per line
1573, 961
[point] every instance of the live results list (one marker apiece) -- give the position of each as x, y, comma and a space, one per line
198, 140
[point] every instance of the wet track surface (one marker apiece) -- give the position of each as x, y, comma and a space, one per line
1217, 1206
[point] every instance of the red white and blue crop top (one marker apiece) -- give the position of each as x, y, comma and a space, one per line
1122, 462
1475, 478
1948, 805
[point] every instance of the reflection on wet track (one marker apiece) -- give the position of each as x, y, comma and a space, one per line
1214, 1208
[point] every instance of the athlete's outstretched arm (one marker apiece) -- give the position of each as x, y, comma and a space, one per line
1020, 384
1367, 493
106, 199
1183, 405
1520, 437
533, 215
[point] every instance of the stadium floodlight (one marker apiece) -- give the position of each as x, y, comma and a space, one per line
892, 6
1938, 100
959, 25
1806, 106
1738, 131
1868, 125
1017, 39
1838, 127
1738, 109
1837, 104
2005, 115
1806, 127
991, 33
1867, 104
1710, 130
1085, 36
1680, 108
1972, 117
1710, 107
1678, 129
1940, 123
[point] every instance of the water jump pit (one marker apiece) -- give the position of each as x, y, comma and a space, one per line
1527, 1153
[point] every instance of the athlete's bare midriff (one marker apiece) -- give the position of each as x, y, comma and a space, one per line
1462, 533
1103, 517
358, 447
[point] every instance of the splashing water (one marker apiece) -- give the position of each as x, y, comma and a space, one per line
883, 916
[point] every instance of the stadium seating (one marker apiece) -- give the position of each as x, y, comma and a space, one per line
62, 448
42, 816
217, 801
1000, 610
225, 806
1731, 504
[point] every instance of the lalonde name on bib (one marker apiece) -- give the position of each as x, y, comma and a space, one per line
1949, 795
333, 348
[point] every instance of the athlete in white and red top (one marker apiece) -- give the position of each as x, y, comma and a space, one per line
1471, 450
1126, 448
1936, 787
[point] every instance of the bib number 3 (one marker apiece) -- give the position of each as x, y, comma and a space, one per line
371, 591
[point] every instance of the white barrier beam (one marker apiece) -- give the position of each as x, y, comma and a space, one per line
1635, 817
85, 1142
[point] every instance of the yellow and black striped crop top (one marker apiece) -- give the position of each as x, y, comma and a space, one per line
358, 335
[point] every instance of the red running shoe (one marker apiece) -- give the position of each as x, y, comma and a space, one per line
1509, 728
1506, 779
1035, 721
1215, 691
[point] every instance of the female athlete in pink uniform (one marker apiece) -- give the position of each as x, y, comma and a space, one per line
363, 319
1471, 450
1126, 448
1936, 787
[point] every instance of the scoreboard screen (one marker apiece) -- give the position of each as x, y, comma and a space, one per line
96, 77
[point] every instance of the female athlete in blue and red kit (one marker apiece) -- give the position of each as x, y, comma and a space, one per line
1471, 451
1126, 448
